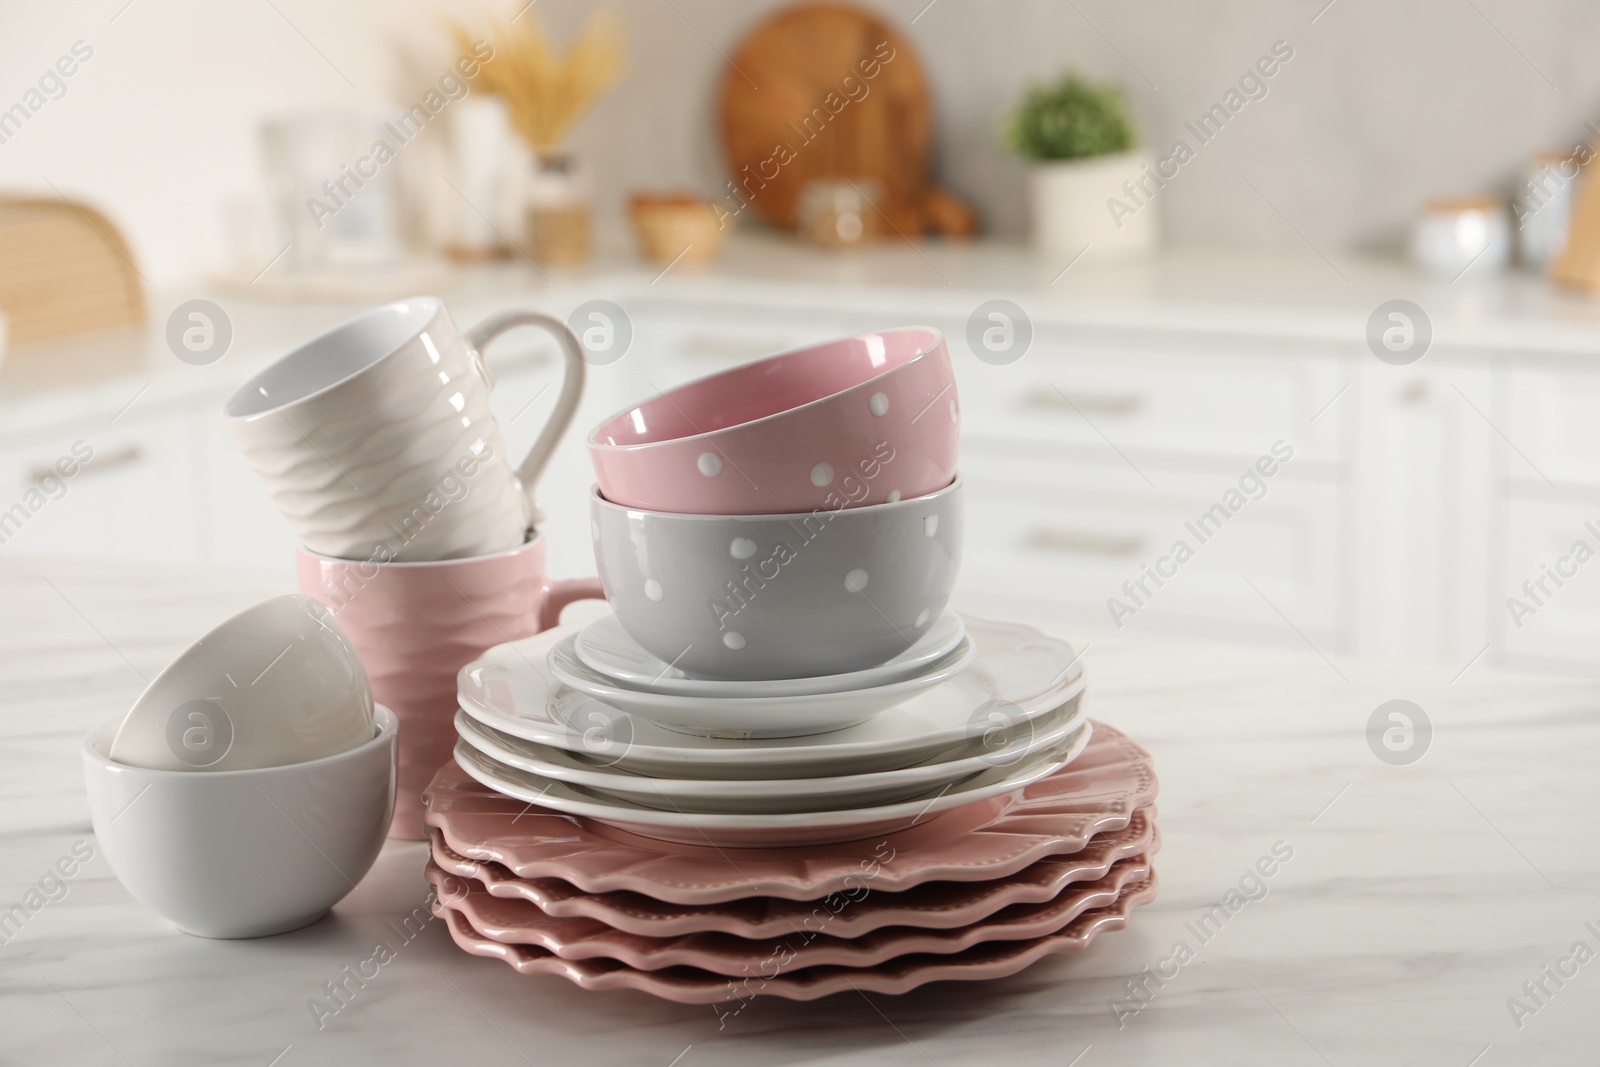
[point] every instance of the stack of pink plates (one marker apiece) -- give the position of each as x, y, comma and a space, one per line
981, 824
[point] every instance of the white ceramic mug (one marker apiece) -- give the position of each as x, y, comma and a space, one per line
376, 439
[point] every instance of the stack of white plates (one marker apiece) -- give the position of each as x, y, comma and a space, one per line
585, 722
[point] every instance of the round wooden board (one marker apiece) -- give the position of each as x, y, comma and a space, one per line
826, 90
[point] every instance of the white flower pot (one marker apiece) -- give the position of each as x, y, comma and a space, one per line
1075, 203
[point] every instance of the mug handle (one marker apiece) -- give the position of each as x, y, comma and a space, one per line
557, 595
481, 336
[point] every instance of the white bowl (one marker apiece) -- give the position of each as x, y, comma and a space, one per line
243, 853
278, 683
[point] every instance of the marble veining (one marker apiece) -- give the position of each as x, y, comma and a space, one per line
1408, 908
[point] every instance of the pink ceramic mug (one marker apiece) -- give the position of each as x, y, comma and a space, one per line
417, 624
798, 431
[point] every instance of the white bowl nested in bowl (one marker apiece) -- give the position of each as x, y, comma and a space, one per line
278, 683
243, 853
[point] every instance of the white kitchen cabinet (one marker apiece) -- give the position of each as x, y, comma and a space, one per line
1546, 611
1552, 420
1184, 396
1078, 534
136, 497
1057, 514
675, 342
1543, 595
1419, 498
240, 528
1422, 455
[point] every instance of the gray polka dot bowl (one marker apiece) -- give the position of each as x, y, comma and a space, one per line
859, 421
750, 597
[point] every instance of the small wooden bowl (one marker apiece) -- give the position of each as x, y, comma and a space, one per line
678, 227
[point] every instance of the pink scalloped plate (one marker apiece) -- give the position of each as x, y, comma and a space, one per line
1096, 793
846, 913
517, 922
691, 985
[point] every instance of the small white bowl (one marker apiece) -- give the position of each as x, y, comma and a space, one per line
243, 853
278, 683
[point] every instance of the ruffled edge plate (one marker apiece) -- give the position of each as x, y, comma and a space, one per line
689, 985
849, 912
1097, 792
517, 922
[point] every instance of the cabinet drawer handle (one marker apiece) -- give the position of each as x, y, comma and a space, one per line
1082, 542
1053, 399
100, 461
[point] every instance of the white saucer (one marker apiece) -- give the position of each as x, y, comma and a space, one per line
764, 830
1028, 675
605, 648
756, 716
774, 794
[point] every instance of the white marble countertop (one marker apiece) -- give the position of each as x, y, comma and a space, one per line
1418, 901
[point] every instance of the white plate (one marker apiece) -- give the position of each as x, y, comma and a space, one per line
774, 794
605, 648
757, 716
1027, 675
764, 830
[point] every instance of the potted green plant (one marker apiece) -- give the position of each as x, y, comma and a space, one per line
1089, 183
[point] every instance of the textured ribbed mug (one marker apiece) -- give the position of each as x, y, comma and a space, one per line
377, 442
417, 624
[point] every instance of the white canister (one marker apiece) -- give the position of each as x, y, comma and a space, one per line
1468, 236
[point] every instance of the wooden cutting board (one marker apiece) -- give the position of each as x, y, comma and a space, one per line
832, 91
1578, 265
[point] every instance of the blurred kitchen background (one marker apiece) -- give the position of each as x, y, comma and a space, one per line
1373, 250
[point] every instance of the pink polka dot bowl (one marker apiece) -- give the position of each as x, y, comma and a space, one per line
860, 421
756, 597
